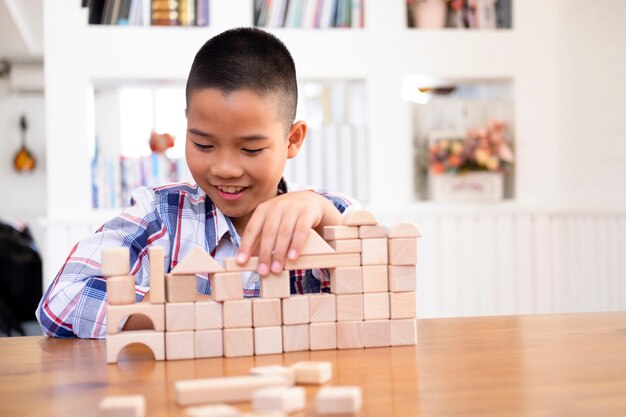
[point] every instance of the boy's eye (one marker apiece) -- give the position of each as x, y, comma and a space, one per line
252, 151
203, 147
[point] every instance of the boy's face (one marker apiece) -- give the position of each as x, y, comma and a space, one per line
237, 148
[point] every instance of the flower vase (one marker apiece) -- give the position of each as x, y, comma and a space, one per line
430, 14
473, 186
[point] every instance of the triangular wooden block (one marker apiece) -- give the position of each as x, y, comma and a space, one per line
315, 245
359, 218
403, 230
197, 262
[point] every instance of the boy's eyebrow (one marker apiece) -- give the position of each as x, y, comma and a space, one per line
208, 135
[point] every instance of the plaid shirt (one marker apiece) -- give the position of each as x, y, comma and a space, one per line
177, 218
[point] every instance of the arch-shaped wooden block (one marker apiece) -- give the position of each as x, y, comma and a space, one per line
358, 217
155, 312
400, 230
154, 340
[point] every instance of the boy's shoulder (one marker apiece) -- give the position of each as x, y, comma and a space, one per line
178, 188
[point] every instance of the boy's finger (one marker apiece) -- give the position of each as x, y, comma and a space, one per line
250, 237
300, 236
268, 238
283, 241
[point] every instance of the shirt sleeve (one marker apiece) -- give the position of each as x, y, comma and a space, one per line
75, 303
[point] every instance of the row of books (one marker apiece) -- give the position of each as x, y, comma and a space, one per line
148, 12
309, 13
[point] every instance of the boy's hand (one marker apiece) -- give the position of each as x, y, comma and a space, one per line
280, 227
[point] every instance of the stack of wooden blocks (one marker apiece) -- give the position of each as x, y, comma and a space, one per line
372, 301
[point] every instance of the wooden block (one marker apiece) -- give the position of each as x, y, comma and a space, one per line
374, 251
121, 290
216, 410
315, 245
115, 314
376, 306
340, 232
346, 280
228, 389
238, 342
268, 340
180, 316
346, 245
339, 400
402, 278
403, 251
375, 278
331, 260
156, 259
349, 307
312, 372
284, 371
377, 333
123, 406
115, 262
154, 340
266, 312
403, 332
403, 305
296, 309
209, 344
237, 313
285, 399
276, 285
296, 338
226, 286
372, 232
179, 345
323, 336
322, 308
208, 315
197, 261
350, 334
403, 230
180, 288
359, 217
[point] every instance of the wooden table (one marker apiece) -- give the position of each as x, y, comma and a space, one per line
552, 365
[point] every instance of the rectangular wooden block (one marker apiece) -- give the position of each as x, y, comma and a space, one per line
115, 314
346, 245
374, 251
121, 290
376, 306
296, 310
340, 232
350, 334
343, 400
238, 342
403, 251
180, 288
322, 308
372, 232
375, 278
179, 345
377, 333
226, 286
323, 336
180, 316
209, 344
115, 262
268, 340
215, 410
122, 406
346, 280
296, 338
266, 312
156, 258
402, 278
275, 285
403, 305
330, 260
155, 340
229, 389
312, 372
284, 371
237, 313
349, 307
403, 332
208, 315
283, 399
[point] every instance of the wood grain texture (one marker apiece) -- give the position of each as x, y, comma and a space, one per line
121, 290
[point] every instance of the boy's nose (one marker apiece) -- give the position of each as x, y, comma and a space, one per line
226, 167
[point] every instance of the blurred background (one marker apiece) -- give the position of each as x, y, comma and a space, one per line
495, 125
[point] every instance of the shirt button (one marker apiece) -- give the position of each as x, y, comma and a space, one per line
255, 277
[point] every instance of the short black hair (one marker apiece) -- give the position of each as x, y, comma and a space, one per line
247, 59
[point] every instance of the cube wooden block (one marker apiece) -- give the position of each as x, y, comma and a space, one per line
180, 316
155, 340
268, 340
215, 410
284, 371
276, 285
115, 262
349, 307
346, 245
208, 315
322, 336
403, 230
296, 338
322, 308
403, 332
156, 258
237, 313
180, 288
266, 312
226, 286
340, 232
377, 333
403, 251
372, 232
115, 314
123, 406
374, 251
345, 400
403, 305
376, 306
296, 309
312, 372
238, 342
179, 345
285, 399
209, 344
346, 280
359, 217
228, 389
375, 278
350, 334
402, 278
121, 290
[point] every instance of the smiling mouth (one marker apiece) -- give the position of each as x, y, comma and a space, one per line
230, 189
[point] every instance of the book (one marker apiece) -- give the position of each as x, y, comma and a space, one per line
96, 8
202, 12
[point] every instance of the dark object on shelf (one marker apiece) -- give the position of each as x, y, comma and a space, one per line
24, 161
96, 7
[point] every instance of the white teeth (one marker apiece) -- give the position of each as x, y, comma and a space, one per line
230, 190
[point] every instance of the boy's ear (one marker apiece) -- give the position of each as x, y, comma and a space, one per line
296, 138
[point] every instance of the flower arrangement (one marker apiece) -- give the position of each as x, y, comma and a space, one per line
483, 149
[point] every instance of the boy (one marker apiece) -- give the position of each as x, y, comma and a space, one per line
241, 104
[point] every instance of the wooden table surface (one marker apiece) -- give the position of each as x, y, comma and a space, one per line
552, 365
